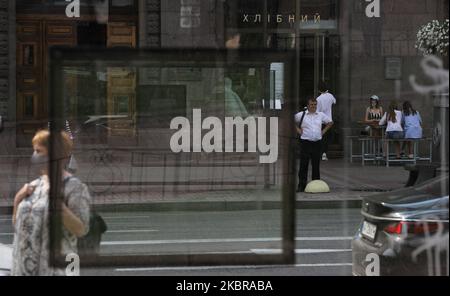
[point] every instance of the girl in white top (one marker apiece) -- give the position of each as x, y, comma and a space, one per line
394, 129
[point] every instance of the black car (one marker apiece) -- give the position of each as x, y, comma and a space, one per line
404, 232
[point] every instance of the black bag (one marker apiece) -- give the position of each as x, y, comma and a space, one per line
298, 137
89, 245
303, 117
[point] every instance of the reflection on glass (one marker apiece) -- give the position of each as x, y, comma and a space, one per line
252, 40
121, 105
158, 104
29, 105
233, 103
35, 222
327, 9
122, 3
149, 172
28, 55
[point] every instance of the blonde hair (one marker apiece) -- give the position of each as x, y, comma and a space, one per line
42, 138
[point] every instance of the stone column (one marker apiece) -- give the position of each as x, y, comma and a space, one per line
5, 58
440, 130
7, 75
345, 90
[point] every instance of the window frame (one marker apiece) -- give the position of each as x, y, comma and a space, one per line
60, 57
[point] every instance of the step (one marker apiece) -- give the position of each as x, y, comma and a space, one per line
335, 154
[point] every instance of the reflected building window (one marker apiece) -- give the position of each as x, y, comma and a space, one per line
28, 55
121, 105
29, 105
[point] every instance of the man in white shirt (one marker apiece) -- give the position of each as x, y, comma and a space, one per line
309, 126
325, 104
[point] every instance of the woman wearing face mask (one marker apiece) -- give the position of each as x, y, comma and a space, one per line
31, 247
373, 115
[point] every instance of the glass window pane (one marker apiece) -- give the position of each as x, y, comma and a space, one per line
29, 106
172, 175
171, 137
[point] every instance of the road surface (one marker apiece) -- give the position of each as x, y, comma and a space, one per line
322, 240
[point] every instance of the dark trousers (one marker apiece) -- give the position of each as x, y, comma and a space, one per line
326, 140
309, 151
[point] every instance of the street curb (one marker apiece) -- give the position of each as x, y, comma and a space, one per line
225, 206
216, 206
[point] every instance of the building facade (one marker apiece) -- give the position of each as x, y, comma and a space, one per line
339, 42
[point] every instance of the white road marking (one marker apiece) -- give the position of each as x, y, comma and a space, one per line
223, 240
230, 267
6, 234
323, 238
323, 264
125, 217
186, 241
104, 217
300, 251
132, 231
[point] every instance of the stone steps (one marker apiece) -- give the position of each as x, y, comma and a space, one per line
335, 151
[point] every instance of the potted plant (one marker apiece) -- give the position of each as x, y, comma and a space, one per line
432, 38
432, 41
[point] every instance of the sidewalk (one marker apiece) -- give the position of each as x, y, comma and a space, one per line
348, 183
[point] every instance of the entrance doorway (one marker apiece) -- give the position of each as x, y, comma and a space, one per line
319, 61
319, 54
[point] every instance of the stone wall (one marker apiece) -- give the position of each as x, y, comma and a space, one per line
371, 41
150, 23
4, 57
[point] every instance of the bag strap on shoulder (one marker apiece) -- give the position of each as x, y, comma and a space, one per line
301, 119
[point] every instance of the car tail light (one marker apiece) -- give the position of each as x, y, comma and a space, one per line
412, 227
394, 228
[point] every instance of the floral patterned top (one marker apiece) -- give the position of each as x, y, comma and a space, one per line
31, 240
